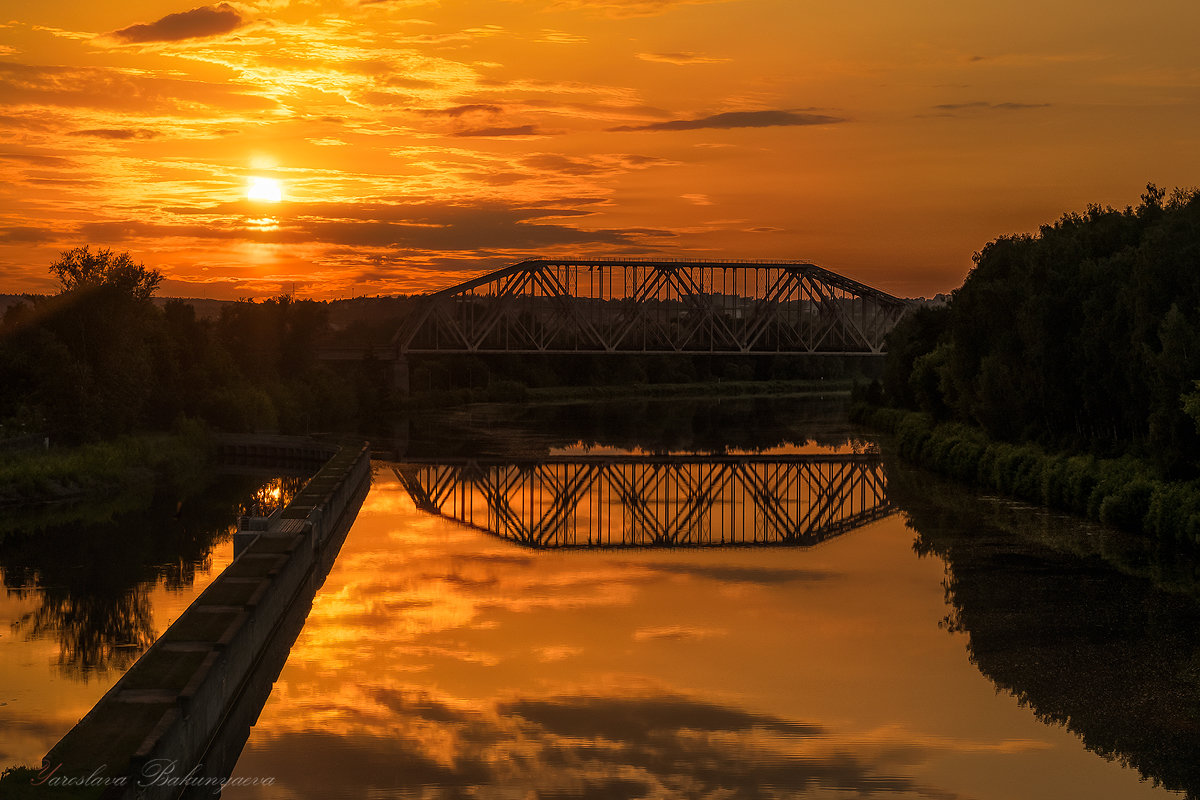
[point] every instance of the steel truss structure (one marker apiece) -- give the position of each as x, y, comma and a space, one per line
621, 306
651, 501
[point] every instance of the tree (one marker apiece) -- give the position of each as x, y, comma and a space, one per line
81, 269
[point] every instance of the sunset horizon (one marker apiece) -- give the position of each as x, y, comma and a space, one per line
397, 146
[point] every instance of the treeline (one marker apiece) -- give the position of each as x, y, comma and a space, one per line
1081, 340
507, 376
100, 359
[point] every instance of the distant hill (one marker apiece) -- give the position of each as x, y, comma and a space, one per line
7, 300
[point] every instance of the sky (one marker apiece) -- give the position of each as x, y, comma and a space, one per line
335, 148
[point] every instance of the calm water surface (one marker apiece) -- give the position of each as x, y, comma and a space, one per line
929, 643
82, 600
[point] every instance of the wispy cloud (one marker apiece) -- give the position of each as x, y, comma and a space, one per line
27, 234
115, 89
978, 106
422, 226
681, 58
675, 633
466, 108
497, 131
118, 133
551, 36
631, 8
737, 119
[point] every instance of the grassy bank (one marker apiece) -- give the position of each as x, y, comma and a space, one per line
1124, 492
106, 469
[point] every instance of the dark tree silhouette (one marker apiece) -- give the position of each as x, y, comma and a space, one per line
81, 269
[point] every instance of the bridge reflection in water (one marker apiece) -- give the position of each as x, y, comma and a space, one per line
655, 501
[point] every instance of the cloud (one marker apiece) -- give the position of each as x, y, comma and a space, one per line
514, 130
27, 235
112, 88
735, 574
37, 159
421, 226
199, 23
118, 133
680, 58
565, 165
25, 122
675, 633
950, 109
468, 108
551, 36
631, 8
643, 719
737, 119
560, 652
578, 747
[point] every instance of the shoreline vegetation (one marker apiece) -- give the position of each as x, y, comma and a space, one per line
1064, 371
99, 479
1121, 492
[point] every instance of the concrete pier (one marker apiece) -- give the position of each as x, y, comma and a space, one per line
150, 735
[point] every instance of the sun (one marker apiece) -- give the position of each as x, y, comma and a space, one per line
264, 190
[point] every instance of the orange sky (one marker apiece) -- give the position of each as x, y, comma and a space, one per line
416, 142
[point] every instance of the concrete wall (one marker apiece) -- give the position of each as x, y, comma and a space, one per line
155, 726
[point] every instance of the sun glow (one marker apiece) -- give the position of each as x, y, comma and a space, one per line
264, 190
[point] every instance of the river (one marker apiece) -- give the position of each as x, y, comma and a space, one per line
734, 600
83, 599
946, 645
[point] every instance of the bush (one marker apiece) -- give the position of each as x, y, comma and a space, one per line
1126, 507
1174, 512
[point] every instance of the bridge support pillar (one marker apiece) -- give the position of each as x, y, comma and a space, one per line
400, 375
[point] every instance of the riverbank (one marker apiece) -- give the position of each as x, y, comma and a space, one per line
513, 392
1124, 492
125, 468
703, 389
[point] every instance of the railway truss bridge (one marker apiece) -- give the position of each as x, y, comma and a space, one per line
677, 307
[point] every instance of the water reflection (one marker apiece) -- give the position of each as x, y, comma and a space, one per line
90, 583
1090, 629
700, 425
655, 501
441, 663
582, 746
